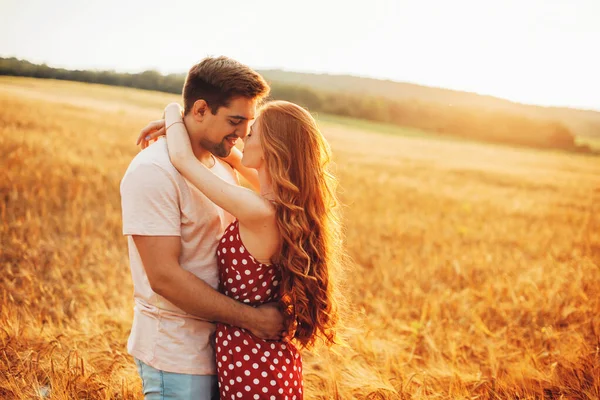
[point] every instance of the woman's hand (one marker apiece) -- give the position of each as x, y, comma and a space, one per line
155, 129
151, 132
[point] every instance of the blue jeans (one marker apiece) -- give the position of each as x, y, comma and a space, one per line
160, 385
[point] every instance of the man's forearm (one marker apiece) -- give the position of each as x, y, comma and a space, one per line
196, 297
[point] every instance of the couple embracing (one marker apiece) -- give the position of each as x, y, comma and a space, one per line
229, 283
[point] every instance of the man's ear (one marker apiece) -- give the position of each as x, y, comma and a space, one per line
200, 109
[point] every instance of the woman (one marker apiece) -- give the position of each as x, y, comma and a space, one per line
281, 247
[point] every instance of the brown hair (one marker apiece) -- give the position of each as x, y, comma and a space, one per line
217, 80
297, 157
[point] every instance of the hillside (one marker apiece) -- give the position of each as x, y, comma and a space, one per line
581, 122
444, 112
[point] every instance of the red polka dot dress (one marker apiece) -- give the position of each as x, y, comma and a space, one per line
249, 367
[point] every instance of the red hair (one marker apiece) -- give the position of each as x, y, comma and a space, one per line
297, 158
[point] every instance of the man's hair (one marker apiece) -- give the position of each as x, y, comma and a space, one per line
218, 80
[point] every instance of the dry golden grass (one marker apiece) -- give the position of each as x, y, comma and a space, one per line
476, 268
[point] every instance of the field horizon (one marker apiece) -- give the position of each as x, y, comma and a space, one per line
474, 268
443, 111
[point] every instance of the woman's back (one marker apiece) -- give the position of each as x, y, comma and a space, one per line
249, 367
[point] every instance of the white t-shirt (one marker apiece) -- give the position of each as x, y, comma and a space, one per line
157, 201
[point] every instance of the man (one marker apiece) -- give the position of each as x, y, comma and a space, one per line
173, 231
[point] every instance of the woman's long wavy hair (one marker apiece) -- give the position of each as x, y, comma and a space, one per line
297, 157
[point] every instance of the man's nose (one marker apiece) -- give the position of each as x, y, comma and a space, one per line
237, 132
242, 131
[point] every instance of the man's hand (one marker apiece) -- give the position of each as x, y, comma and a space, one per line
268, 322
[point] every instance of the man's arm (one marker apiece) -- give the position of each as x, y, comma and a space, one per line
160, 255
151, 215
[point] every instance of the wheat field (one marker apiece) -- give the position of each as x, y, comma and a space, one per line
474, 272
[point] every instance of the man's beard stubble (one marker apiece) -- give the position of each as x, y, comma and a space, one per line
217, 149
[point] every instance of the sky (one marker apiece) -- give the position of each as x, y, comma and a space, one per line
544, 52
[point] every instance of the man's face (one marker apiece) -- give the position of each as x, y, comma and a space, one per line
221, 131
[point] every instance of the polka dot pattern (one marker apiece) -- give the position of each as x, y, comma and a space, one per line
249, 367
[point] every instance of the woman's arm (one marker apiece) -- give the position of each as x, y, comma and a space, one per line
244, 204
156, 129
250, 174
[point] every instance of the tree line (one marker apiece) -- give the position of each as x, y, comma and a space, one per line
472, 123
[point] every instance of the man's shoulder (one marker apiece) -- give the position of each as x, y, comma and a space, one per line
152, 163
156, 156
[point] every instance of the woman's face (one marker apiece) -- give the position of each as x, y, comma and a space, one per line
253, 153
